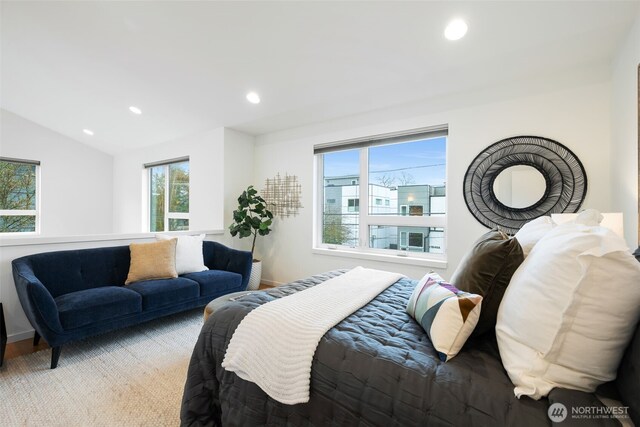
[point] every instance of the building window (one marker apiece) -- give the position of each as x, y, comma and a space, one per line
415, 240
169, 195
19, 196
416, 210
407, 171
332, 201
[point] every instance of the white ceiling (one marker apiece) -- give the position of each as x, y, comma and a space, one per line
188, 65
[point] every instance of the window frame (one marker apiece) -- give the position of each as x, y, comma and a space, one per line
167, 214
25, 212
366, 219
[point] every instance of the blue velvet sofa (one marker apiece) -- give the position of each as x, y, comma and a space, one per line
69, 295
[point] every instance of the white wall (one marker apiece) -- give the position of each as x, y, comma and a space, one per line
624, 133
76, 180
238, 175
206, 188
578, 118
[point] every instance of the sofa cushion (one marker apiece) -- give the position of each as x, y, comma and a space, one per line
216, 282
149, 261
163, 292
81, 308
189, 256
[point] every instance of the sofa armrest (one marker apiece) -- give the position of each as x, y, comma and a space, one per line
220, 257
37, 301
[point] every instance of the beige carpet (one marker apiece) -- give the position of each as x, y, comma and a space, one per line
132, 377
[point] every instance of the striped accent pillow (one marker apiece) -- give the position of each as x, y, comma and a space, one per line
447, 314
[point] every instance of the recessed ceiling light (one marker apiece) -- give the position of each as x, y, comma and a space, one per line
455, 30
88, 132
253, 98
135, 110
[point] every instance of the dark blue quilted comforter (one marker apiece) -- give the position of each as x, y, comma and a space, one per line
375, 368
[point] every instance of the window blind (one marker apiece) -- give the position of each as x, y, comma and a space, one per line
21, 161
383, 139
166, 162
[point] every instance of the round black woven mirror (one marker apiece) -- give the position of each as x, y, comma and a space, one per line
564, 177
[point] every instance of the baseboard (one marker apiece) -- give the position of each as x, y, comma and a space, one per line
271, 282
26, 335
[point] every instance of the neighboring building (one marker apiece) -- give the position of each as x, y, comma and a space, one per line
341, 214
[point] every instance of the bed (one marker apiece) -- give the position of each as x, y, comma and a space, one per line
375, 368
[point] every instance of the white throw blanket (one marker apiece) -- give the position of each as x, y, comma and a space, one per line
274, 344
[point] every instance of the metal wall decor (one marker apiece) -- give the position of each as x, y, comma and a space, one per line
565, 177
283, 195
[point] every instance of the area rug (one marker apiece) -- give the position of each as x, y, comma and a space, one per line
131, 377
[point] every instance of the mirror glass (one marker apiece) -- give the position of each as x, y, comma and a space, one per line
519, 186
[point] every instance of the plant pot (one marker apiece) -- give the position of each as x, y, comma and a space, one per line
256, 275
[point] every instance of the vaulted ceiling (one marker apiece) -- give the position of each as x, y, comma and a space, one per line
188, 65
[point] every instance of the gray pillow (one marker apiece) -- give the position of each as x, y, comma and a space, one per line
486, 270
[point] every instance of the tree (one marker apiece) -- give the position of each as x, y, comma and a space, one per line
252, 218
386, 180
333, 231
17, 192
406, 179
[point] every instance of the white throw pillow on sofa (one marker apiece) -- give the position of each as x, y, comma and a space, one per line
532, 232
569, 311
189, 257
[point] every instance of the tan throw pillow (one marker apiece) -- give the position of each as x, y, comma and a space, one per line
155, 260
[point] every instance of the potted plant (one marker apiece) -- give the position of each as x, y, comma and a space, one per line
252, 218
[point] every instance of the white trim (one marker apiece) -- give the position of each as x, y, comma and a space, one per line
406, 221
18, 212
396, 257
365, 219
24, 335
363, 194
26, 212
19, 240
178, 215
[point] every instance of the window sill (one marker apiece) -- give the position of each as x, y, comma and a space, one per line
395, 259
15, 240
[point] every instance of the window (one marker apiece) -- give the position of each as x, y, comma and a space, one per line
416, 210
19, 196
169, 195
407, 171
332, 201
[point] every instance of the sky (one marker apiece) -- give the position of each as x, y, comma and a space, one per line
423, 160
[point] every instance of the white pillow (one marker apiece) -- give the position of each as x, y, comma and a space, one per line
569, 311
532, 232
189, 257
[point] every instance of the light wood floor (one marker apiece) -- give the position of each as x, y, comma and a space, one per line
20, 348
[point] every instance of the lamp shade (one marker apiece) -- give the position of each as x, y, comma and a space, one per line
611, 220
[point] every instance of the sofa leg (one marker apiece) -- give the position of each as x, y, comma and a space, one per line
36, 338
55, 355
